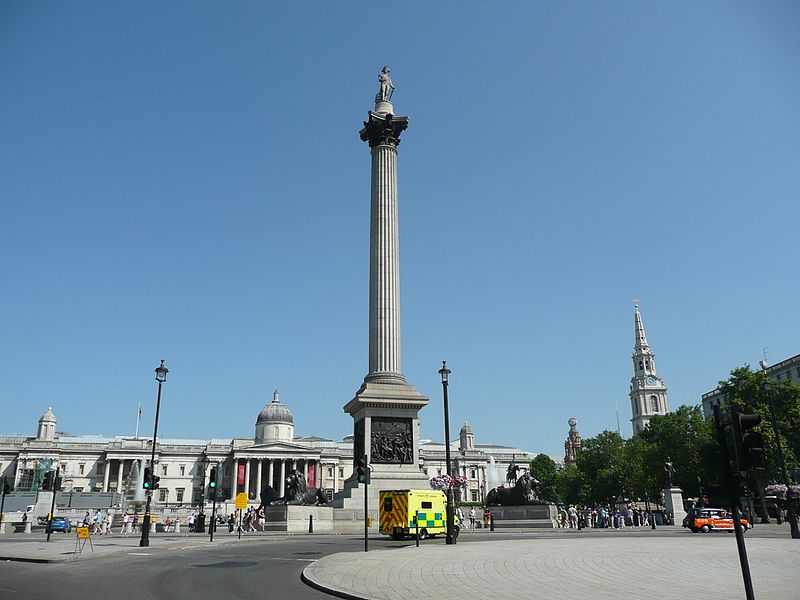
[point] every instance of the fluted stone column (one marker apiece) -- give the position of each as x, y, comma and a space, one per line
119, 475
385, 408
106, 472
283, 478
258, 478
382, 132
272, 472
247, 478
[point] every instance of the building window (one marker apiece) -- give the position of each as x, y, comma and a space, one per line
330, 471
341, 471
641, 366
164, 469
653, 404
163, 495
183, 472
81, 469
329, 494
474, 495
179, 494
472, 473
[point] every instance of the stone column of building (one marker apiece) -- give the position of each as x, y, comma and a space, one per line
386, 407
271, 472
305, 469
247, 477
258, 477
283, 478
119, 475
106, 473
335, 478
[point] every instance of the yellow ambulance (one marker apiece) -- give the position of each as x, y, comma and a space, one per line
398, 513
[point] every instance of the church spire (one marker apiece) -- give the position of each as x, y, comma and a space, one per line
641, 338
648, 393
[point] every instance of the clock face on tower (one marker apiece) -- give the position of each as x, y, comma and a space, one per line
651, 380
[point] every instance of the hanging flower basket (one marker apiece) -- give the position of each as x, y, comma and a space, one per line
445, 482
776, 489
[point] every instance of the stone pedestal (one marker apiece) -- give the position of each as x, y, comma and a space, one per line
27, 527
673, 504
528, 516
2, 527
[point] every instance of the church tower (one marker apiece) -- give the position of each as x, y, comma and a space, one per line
648, 393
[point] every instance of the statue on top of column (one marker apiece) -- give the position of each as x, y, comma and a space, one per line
387, 87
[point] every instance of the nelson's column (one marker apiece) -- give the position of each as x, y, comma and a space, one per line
385, 408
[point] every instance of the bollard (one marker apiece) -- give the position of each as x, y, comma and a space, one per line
310, 523
491, 522
27, 526
177, 525
129, 528
2, 527
416, 524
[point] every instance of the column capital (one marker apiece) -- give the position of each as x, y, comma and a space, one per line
383, 130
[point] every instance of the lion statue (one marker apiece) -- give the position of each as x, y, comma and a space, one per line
523, 492
297, 492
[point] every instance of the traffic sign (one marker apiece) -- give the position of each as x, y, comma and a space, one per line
241, 500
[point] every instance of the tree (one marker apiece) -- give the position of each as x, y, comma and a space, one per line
543, 468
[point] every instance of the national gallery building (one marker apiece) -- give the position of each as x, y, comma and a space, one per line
114, 464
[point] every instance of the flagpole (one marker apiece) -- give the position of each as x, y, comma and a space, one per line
138, 418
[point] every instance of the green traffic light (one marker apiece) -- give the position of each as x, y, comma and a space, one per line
213, 484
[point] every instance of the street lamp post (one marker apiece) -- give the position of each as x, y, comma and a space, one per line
161, 377
790, 515
445, 373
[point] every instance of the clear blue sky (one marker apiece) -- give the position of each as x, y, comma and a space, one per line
184, 180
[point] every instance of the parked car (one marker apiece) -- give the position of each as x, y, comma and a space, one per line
60, 524
708, 519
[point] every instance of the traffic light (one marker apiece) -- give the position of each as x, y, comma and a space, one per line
212, 484
147, 481
57, 484
749, 444
47, 481
362, 469
155, 479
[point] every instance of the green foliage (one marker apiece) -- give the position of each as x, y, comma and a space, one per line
745, 392
543, 468
610, 467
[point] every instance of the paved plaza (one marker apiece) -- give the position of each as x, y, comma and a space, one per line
586, 566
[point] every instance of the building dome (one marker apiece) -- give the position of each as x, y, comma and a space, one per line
275, 423
47, 426
275, 412
466, 428
48, 416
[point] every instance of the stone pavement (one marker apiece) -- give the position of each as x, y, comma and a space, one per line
575, 566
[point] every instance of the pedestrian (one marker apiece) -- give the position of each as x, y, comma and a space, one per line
109, 520
472, 519
191, 523
135, 522
125, 520
261, 518
231, 522
573, 517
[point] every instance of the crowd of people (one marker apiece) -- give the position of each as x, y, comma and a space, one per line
605, 517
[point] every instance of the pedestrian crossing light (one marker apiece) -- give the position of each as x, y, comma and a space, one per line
147, 481
749, 444
212, 484
156, 479
362, 469
47, 482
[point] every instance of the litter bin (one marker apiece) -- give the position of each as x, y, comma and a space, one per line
200, 523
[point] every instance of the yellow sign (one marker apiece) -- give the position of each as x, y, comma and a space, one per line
82, 532
241, 500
